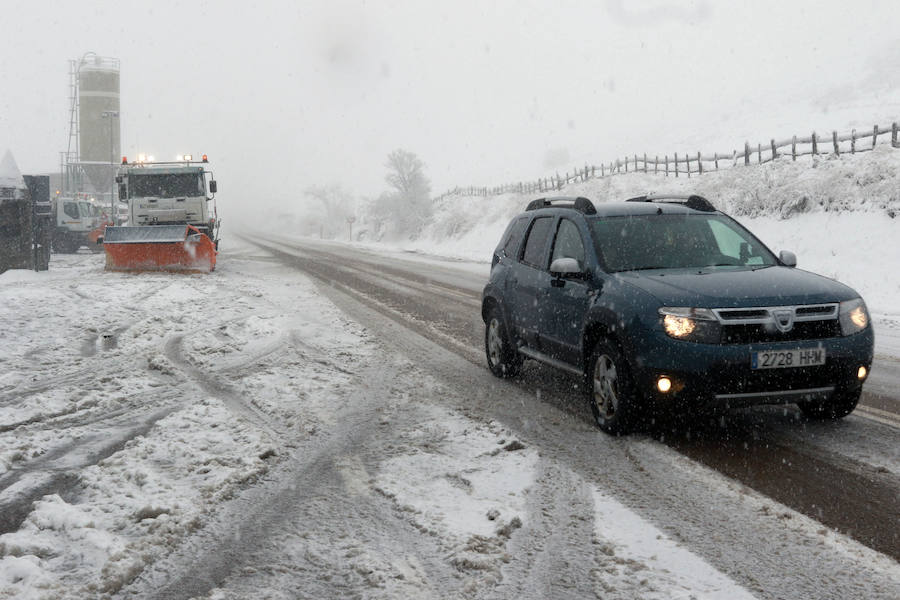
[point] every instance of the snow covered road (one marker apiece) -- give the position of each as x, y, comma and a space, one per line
258, 433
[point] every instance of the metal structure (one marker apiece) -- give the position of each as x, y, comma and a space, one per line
94, 127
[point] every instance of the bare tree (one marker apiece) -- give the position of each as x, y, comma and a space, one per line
406, 208
337, 206
406, 174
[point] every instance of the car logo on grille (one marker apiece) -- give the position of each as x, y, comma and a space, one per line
784, 319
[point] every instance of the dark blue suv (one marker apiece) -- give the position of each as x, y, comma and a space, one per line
666, 304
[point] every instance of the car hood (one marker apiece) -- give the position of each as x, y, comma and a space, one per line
730, 288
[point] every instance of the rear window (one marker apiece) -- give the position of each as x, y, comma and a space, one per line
514, 236
536, 243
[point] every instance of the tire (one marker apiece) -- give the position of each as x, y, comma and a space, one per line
610, 389
502, 358
841, 404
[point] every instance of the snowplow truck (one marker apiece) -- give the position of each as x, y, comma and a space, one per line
172, 223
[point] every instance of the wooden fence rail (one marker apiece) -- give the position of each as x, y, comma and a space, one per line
689, 165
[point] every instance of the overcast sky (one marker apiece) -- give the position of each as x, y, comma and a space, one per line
283, 95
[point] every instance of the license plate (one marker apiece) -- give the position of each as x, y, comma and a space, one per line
783, 359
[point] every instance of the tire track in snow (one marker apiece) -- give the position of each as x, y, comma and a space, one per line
56, 472
213, 384
304, 517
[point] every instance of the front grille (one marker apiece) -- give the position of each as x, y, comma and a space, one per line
755, 333
778, 323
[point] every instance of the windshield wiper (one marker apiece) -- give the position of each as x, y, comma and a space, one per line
641, 269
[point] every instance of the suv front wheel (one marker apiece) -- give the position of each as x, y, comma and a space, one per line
610, 388
502, 358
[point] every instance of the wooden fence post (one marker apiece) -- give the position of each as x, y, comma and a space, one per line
635, 163
667, 165
602, 174
734, 158
794, 148
759, 154
852, 141
687, 161
645, 162
774, 151
656, 164
626, 164
716, 158
746, 153
893, 135
874, 136
699, 164
676, 164
837, 149
815, 144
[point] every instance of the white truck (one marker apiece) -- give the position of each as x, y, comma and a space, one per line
77, 221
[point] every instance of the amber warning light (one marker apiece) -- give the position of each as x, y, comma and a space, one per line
205, 159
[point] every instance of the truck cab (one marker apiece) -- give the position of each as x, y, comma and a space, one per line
168, 194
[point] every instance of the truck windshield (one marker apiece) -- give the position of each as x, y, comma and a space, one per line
642, 242
171, 185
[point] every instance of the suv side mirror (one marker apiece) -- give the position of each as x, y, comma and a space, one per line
562, 268
212, 186
788, 258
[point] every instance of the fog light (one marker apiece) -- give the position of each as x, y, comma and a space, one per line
664, 384
861, 373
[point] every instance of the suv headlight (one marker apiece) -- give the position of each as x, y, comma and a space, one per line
691, 324
853, 316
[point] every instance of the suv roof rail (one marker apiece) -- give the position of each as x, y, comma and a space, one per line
690, 201
581, 204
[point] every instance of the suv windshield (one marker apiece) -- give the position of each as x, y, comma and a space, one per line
173, 185
638, 242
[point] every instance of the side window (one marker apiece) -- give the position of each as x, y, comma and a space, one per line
568, 243
514, 236
71, 209
536, 243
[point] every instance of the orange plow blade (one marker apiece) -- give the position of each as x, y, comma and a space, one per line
159, 248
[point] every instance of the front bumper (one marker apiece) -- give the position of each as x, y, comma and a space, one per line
719, 376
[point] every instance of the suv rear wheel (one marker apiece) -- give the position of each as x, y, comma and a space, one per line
610, 388
502, 358
840, 405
